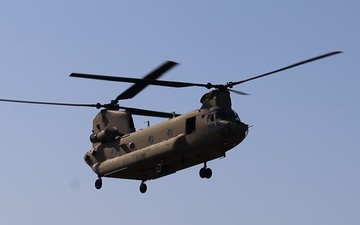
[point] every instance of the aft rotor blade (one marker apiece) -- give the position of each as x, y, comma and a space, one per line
137, 87
136, 111
145, 112
165, 83
51, 103
288, 67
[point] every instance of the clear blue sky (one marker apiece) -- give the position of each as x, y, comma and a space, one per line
300, 163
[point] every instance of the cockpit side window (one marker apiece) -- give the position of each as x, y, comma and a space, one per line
211, 118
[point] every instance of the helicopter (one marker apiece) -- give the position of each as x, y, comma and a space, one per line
182, 141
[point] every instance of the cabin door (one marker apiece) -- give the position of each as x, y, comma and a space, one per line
190, 125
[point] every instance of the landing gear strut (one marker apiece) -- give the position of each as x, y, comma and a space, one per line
98, 183
205, 172
143, 187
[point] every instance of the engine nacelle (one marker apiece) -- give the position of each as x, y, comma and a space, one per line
122, 120
106, 135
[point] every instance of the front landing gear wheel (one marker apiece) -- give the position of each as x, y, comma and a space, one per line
143, 187
208, 173
202, 172
98, 183
205, 173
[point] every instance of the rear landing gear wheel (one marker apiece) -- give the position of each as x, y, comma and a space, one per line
143, 187
98, 183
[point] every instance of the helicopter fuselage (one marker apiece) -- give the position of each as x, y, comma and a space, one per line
178, 143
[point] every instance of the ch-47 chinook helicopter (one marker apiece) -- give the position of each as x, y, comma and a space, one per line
182, 141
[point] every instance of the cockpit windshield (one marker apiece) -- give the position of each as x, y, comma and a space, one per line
218, 114
221, 115
236, 117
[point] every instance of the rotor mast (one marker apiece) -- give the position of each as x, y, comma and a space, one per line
216, 98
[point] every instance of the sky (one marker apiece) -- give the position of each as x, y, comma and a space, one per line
299, 164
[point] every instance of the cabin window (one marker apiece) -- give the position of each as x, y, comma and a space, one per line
151, 139
190, 125
132, 146
169, 132
113, 152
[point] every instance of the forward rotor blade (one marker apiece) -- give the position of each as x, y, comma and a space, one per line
145, 112
239, 92
51, 103
137, 87
288, 67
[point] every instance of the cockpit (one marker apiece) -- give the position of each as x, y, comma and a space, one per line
217, 114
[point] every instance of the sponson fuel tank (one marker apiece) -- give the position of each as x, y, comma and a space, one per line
141, 157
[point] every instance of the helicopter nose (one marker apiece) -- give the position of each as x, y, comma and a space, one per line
242, 131
242, 128
245, 129
234, 130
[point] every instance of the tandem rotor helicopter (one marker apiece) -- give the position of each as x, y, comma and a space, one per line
182, 141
